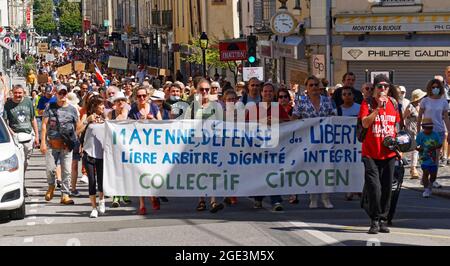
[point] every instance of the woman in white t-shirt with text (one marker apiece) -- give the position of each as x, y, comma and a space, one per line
436, 108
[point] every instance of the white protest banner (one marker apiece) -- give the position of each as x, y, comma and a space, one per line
118, 62
181, 159
253, 72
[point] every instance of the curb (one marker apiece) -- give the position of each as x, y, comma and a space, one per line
436, 192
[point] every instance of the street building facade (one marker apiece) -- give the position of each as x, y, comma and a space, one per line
409, 40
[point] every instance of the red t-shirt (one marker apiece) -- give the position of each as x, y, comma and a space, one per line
383, 126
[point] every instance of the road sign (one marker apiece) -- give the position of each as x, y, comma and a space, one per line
253, 72
2, 32
235, 50
7, 40
23, 36
28, 15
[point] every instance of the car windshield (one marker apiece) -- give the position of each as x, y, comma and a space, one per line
4, 136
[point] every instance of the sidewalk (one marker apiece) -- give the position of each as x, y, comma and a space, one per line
443, 179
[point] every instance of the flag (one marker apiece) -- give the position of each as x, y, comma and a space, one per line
98, 74
63, 46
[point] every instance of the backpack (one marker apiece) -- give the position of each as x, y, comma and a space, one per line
68, 135
361, 132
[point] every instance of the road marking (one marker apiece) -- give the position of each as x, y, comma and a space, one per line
35, 200
34, 205
317, 234
31, 217
31, 223
313, 232
28, 240
34, 211
356, 229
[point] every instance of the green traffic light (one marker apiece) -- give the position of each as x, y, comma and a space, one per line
252, 59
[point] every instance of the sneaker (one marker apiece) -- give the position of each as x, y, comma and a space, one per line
374, 228
215, 207
116, 203
94, 213
75, 193
437, 185
201, 206
427, 193
443, 163
156, 204
102, 207
313, 205
58, 183
126, 200
384, 227
163, 199
327, 204
448, 162
277, 207
257, 205
84, 179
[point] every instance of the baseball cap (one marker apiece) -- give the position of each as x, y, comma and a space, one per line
48, 89
61, 88
402, 88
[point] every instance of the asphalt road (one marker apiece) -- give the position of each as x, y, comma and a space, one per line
418, 222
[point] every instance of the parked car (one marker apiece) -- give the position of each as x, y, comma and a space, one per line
12, 200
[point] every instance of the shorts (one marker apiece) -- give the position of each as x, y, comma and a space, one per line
441, 136
432, 169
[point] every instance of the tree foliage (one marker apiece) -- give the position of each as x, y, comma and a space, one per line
43, 16
70, 17
212, 56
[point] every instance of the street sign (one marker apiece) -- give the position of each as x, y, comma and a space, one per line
28, 15
318, 65
2, 32
7, 40
23, 36
253, 72
235, 50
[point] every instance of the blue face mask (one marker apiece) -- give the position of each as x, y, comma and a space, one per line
436, 91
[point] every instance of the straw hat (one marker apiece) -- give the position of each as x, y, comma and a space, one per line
72, 98
119, 96
427, 122
418, 95
158, 96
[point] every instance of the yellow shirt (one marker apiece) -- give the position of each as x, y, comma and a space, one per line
31, 79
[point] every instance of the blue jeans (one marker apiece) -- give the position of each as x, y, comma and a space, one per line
273, 199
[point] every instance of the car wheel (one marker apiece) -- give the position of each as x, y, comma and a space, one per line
18, 214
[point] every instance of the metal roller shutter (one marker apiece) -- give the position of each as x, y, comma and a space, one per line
412, 75
293, 64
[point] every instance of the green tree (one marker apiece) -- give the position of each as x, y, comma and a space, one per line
212, 57
70, 17
43, 16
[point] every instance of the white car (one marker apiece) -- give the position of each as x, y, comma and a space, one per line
12, 200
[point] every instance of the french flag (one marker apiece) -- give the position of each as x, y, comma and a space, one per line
98, 75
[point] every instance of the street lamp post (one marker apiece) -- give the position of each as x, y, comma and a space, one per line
204, 41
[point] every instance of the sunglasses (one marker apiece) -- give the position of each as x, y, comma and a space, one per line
314, 85
204, 89
142, 96
62, 93
284, 97
382, 86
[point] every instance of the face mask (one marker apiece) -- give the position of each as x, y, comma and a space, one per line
436, 91
175, 98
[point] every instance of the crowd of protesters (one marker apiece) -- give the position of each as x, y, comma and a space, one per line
83, 100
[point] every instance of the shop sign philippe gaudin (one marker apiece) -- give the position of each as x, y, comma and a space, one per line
396, 53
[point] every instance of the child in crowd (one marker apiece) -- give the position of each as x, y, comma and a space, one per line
428, 142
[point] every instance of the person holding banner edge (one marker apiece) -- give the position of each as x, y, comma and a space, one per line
381, 119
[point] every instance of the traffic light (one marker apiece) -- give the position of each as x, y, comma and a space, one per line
252, 42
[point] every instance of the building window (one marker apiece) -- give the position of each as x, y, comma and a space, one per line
263, 12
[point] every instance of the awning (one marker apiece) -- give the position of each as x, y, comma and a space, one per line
396, 48
392, 23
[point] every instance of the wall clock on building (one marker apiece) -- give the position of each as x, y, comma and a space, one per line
283, 23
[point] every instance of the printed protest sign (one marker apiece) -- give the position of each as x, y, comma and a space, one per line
42, 78
118, 62
79, 66
182, 159
65, 70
